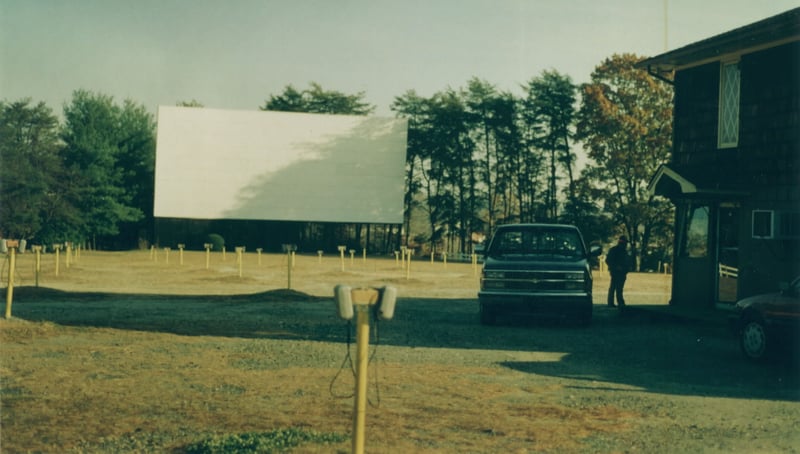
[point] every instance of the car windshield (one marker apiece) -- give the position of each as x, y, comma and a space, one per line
538, 241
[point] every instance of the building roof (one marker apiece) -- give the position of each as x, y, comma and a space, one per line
773, 31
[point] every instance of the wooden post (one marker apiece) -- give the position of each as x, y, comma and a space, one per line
258, 251
239, 258
408, 264
341, 255
38, 267
12, 246
208, 253
289, 249
57, 247
180, 252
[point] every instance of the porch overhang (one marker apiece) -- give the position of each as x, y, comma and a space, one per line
672, 185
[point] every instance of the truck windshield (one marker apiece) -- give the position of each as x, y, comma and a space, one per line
552, 242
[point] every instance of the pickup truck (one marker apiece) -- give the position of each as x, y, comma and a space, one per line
540, 270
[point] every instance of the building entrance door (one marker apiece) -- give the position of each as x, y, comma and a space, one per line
694, 282
727, 253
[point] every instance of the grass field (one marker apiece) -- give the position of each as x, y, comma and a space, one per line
135, 351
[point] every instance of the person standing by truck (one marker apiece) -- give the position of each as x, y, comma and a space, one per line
618, 265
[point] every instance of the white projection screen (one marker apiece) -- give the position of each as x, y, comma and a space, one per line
256, 165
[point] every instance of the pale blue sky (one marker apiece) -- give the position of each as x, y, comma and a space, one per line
234, 54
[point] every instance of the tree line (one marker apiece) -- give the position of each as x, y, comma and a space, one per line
477, 157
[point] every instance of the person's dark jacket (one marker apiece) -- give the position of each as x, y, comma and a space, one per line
617, 260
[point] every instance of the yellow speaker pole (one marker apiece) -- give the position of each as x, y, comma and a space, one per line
341, 255
180, 252
208, 253
166, 255
319, 257
38, 267
12, 246
57, 247
289, 269
408, 264
239, 260
68, 254
258, 251
363, 298
289, 249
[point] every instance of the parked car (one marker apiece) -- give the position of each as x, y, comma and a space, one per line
766, 325
537, 270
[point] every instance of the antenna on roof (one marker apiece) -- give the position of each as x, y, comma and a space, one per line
666, 22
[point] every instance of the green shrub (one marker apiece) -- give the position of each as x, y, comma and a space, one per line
216, 240
279, 440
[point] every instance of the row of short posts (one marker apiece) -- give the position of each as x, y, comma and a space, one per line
69, 253
13, 246
207, 246
402, 257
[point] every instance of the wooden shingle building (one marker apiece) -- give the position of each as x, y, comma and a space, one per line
734, 171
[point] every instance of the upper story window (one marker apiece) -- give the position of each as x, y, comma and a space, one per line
729, 82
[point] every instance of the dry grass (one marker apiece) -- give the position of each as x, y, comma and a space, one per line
96, 388
67, 387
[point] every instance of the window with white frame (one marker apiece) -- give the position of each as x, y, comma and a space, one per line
772, 224
729, 83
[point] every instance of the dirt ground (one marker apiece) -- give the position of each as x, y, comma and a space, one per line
143, 352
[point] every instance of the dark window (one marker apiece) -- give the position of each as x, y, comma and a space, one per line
762, 223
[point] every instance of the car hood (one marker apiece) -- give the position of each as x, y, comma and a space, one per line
757, 300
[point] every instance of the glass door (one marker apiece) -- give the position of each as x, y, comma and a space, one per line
727, 253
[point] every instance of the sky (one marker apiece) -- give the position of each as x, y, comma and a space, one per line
235, 54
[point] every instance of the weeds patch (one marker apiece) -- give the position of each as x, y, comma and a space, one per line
262, 442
